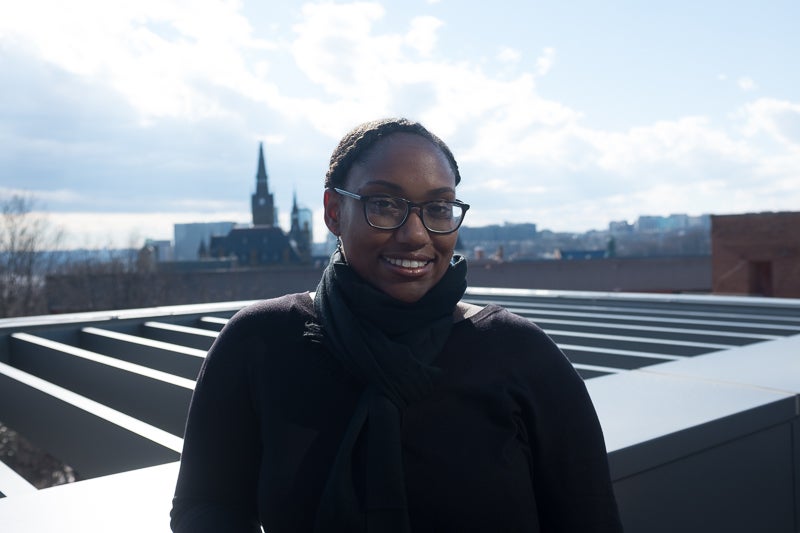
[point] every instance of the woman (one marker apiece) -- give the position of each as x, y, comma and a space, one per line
385, 403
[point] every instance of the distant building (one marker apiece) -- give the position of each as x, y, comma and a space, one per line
619, 226
756, 254
323, 250
497, 233
262, 201
659, 224
573, 255
677, 222
265, 243
161, 250
702, 221
191, 239
300, 232
255, 246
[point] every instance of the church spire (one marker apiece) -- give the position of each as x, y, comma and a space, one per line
262, 202
295, 215
261, 174
301, 230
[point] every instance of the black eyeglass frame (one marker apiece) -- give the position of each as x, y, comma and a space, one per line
409, 205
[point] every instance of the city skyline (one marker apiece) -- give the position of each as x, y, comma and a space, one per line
123, 120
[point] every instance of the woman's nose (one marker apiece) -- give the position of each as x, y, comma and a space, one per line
413, 230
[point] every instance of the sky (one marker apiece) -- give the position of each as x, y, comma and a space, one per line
122, 118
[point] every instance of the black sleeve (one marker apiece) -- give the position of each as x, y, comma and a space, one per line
569, 460
217, 483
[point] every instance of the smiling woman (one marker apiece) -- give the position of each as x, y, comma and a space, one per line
405, 262
384, 403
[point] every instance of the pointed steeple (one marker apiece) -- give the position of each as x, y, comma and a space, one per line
295, 214
262, 202
261, 174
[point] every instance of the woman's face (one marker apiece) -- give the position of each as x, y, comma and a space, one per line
406, 262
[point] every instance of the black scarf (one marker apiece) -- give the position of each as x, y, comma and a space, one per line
388, 346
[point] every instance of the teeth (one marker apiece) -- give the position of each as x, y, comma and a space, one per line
406, 263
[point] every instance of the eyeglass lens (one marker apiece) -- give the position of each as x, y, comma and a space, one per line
390, 213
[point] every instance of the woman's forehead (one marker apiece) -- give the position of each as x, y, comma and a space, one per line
397, 181
403, 154
401, 143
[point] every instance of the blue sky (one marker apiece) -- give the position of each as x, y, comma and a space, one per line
123, 118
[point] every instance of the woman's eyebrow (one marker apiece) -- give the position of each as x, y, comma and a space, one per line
399, 188
443, 190
383, 183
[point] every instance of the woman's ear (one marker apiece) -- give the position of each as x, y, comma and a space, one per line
332, 203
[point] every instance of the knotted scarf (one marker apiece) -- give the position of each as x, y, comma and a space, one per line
388, 346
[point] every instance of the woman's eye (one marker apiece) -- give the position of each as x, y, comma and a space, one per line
384, 204
442, 210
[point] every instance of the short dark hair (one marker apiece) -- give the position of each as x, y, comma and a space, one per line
356, 144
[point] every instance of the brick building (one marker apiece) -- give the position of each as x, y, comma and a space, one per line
756, 254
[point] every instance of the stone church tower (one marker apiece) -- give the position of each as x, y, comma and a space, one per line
300, 234
265, 243
263, 203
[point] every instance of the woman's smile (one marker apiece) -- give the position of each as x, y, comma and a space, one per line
413, 264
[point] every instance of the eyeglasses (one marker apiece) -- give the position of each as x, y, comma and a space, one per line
389, 212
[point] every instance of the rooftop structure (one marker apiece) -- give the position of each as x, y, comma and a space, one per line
756, 254
698, 396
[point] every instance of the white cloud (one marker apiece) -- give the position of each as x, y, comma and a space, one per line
42, 198
508, 55
569, 177
422, 34
330, 50
273, 139
746, 84
525, 157
123, 230
777, 119
545, 61
334, 48
676, 143
157, 53
366, 73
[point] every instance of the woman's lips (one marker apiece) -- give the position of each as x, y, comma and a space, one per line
406, 263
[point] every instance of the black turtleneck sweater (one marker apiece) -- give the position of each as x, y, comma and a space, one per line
508, 441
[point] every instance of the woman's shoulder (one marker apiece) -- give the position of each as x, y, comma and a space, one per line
496, 319
508, 337
277, 312
277, 323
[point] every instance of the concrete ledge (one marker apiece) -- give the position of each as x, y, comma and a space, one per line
197, 338
213, 323
91, 437
166, 357
155, 397
710, 443
699, 440
12, 484
132, 502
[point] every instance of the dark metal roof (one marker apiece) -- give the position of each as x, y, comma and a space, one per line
606, 333
670, 376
